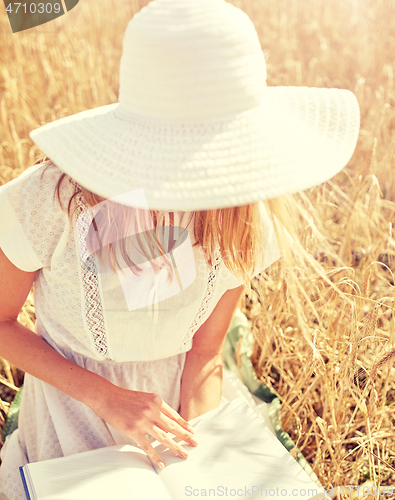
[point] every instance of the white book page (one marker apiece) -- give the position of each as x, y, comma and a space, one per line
237, 456
121, 471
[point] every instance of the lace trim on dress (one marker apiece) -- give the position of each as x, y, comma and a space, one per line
93, 306
90, 279
201, 315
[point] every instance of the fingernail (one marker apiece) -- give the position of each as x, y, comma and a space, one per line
191, 429
161, 465
193, 442
183, 454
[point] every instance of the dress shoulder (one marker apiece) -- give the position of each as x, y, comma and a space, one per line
32, 220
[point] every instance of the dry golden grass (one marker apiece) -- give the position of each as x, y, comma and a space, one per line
339, 400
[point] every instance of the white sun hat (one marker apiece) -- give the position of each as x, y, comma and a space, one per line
196, 127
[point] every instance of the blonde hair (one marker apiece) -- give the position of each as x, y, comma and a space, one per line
237, 230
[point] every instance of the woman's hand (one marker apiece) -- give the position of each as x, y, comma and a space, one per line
133, 413
139, 413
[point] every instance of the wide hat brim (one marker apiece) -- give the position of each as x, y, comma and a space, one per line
297, 138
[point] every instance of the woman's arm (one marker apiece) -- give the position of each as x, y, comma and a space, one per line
201, 383
28, 351
132, 412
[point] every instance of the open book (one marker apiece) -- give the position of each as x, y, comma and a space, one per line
237, 456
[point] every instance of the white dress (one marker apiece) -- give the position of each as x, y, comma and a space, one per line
89, 317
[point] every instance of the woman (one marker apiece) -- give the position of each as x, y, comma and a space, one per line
129, 332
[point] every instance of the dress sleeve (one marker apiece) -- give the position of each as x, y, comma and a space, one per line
31, 220
270, 253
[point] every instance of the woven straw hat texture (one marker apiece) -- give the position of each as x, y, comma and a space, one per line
196, 127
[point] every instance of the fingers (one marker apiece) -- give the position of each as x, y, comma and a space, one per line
149, 450
169, 412
171, 421
166, 439
166, 424
155, 417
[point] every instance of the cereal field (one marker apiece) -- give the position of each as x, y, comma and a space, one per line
338, 388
